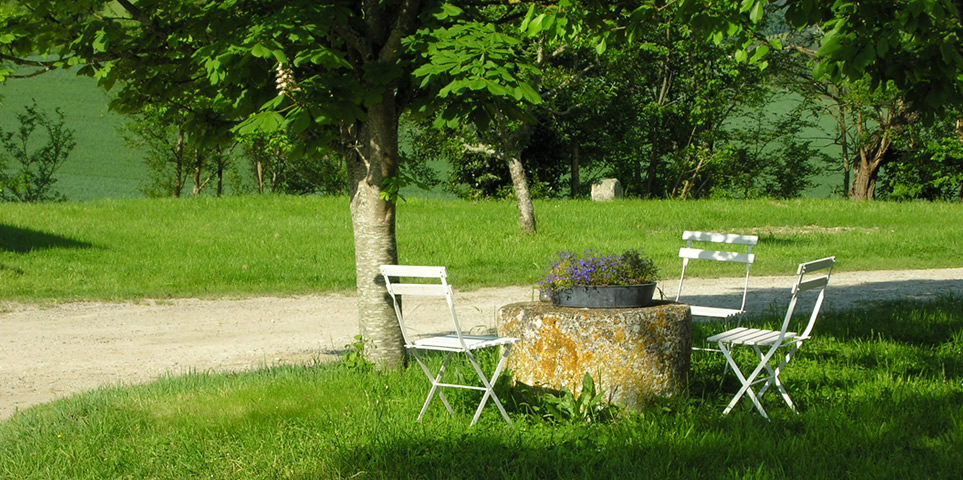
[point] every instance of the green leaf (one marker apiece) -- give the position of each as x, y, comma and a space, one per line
865, 57
831, 43
100, 41
536, 24
528, 18
299, 120
448, 10
755, 16
528, 93
260, 51
600, 46
476, 83
759, 53
264, 122
274, 103
882, 46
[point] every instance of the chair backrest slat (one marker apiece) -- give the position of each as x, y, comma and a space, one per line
717, 255
415, 271
689, 253
814, 283
805, 284
419, 289
820, 264
435, 284
714, 237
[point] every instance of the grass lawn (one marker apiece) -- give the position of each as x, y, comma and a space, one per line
878, 390
278, 245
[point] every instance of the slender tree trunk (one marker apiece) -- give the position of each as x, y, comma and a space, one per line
197, 171
179, 176
258, 154
652, 170
373, 158
844, 145
526, 210
573, 183
665, 69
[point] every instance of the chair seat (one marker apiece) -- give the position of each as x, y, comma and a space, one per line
450, 343
715, 312
750, 336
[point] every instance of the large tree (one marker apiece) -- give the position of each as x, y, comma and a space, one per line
336, 72
339, 73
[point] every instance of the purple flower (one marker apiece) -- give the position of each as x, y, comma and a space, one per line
568, 269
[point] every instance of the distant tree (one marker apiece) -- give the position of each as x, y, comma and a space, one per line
927, 163
32, 155
278, 169
176, 155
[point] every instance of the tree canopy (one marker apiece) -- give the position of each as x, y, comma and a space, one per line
339, 73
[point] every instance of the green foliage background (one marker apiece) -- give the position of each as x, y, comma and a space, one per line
103, 166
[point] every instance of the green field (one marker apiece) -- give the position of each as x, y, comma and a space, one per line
101, 166
278, 245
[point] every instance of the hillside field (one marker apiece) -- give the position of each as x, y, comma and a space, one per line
101, 166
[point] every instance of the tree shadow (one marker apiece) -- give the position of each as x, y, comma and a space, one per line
831, 443
25, 240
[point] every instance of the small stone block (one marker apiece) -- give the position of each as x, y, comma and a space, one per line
606, 189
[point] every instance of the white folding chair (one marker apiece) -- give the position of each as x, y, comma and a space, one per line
811, 276
720, 240
433, 282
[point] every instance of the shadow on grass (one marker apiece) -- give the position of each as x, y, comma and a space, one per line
773, 301
838, 439
25, 240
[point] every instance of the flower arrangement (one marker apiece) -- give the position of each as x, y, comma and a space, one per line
569, 269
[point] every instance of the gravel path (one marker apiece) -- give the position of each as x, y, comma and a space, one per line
47, 353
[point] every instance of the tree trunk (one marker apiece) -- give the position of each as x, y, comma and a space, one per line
844, 145
652, 170
573, 183
198, 161
373, 158
179, 167
220, 173
862, 186
526, 211
872, 153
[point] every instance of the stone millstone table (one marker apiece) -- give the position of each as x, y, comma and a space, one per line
631, 353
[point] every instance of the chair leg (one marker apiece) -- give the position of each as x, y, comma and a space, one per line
775, 377
435, 384
489, 385
746, 381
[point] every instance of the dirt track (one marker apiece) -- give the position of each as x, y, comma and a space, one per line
46, 353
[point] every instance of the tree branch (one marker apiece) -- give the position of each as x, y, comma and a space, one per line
405, 23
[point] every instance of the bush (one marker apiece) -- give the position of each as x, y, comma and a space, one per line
31, 177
